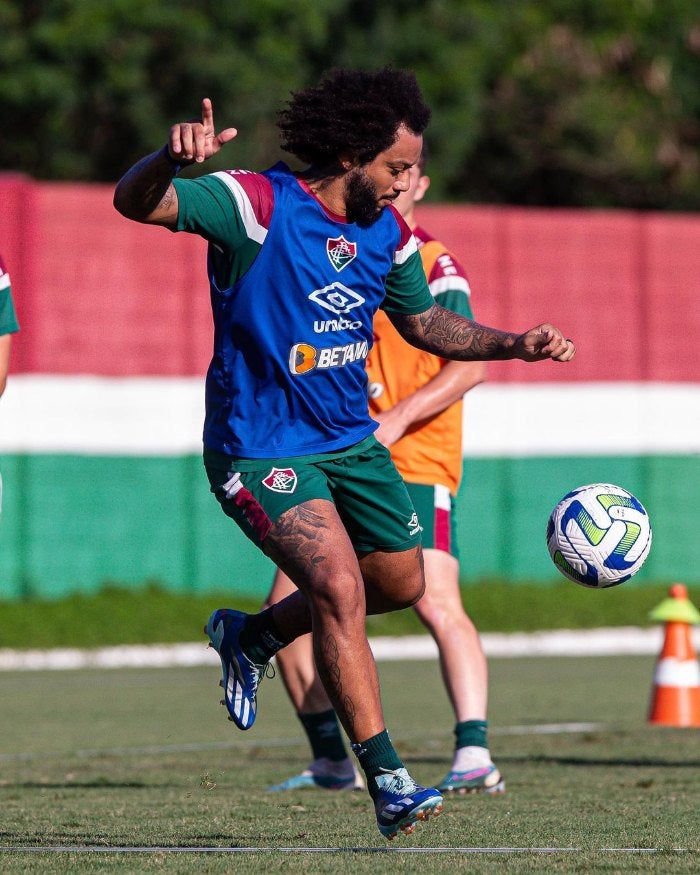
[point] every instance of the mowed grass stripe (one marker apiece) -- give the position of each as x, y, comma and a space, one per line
98, 849
537, 729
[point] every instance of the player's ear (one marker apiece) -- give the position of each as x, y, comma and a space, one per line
347, 161
421, 188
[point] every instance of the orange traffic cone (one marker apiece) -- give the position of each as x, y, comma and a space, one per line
676, 696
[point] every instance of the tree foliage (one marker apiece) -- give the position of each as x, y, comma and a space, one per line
551, 102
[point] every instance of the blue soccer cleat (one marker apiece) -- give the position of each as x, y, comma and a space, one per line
483, 779
240, 676
401, 803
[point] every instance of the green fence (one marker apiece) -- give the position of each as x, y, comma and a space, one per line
77, 523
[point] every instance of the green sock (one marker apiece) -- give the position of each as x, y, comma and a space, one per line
472, 733
260, 638
323, 732
377, 755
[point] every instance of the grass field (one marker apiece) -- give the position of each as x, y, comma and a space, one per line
145, 758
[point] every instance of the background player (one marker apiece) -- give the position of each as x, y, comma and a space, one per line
8, 324
417, 399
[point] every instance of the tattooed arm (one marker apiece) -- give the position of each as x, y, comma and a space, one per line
452, 336
146, 193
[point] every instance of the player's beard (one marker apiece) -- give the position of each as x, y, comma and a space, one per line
361, 201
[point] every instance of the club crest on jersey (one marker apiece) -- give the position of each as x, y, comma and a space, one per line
340, 252
281, 480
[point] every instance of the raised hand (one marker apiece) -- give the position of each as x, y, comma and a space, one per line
544, 342
196, 140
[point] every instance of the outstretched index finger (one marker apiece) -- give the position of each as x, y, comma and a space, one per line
207, 113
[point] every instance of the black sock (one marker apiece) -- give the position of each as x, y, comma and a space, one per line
323, 732
260, 637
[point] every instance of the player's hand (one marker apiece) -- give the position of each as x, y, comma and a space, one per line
392, 427
544, 342
196, 140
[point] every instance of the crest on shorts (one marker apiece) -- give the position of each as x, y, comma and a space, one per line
340, 252
281, 480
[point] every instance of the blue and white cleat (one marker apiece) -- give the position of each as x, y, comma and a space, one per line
324, 774
401, 803
240, 676
483, 779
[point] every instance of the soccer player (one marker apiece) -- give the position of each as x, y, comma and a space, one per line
8, 326
417, 399
8, 323
298, 264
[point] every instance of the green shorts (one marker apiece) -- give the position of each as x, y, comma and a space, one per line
362, 482
435, 507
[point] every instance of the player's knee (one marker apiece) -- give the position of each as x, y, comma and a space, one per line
412, 593
342, 597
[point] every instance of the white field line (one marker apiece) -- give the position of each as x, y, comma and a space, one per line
561, 642
102, 849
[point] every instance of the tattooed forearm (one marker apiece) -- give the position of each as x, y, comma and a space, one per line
145, 193
452, 336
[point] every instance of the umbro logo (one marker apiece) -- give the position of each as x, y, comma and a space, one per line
337, 298
413, 525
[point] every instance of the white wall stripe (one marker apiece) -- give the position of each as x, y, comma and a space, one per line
628, 640
145, 416
149, 416
582, 419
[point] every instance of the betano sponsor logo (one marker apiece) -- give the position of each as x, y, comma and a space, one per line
303, 357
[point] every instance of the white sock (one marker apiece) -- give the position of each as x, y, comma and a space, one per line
471, 757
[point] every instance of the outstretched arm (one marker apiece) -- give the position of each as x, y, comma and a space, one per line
145, 193
452, 336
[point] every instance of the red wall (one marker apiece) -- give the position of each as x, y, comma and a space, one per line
96, 293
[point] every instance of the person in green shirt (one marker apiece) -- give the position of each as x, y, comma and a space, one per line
8, 323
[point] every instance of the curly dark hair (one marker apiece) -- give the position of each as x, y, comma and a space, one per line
355, 111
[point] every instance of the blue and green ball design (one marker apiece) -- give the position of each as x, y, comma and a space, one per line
599, 535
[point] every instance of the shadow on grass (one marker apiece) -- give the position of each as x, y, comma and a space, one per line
96, 784
623, 762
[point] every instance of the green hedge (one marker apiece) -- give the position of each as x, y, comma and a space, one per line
152, 615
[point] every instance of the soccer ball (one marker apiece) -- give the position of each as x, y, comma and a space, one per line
599, 535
